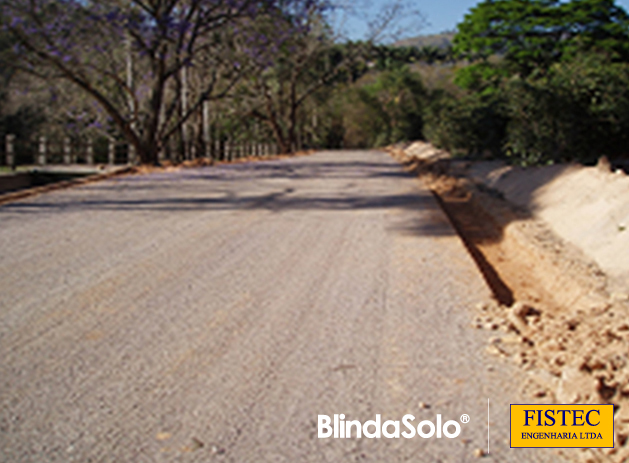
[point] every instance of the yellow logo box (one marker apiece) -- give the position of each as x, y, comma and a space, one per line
583, 426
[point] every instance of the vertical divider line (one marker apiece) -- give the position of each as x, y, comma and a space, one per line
487, 426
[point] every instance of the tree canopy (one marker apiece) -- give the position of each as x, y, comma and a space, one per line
135, 59
531, 35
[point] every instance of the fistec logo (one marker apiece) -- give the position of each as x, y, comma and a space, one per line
584, 426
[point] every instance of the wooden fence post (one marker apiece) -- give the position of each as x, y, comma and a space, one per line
208, 148
89, 152
131, 154
206, 129
67, 151
10, 150
41, 158
111, 152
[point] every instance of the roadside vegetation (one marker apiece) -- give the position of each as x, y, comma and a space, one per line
546, 82
535, 81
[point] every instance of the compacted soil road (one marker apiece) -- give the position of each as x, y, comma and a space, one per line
212, 314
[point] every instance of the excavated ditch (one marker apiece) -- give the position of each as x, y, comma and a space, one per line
551, 313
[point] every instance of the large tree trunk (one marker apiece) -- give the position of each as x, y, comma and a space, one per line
149, 152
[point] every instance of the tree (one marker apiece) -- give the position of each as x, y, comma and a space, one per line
580, 111
99, 46
6, 69
299, 63
531, 35
399, 96
305, 65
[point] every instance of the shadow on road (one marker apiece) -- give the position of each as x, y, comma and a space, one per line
300, 184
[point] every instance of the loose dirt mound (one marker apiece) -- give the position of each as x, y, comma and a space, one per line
554, 313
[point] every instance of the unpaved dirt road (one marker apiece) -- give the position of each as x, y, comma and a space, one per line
212, 314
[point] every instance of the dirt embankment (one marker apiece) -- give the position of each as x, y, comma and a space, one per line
551, 243
586, 206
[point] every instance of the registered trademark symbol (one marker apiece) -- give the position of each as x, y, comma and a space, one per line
465, 419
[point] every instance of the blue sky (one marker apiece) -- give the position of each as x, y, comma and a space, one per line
441, 15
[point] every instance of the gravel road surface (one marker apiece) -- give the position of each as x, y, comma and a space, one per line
212, 314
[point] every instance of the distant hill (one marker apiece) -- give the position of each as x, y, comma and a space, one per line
443, 40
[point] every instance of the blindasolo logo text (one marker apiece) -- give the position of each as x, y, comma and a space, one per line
562, 426
390, 429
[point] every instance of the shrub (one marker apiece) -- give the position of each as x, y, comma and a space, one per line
580, 111
382, 108
473, 125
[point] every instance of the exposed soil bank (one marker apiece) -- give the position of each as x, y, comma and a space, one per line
556, 312
587, 206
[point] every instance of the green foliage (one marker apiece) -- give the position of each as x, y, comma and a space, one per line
473, 125
543, 81
542, 122
581, 111
532, 35
390, 57
578, 111
6, 69
399, 94
23, 123
364, 123
548, 82
479, 77
386, 110
595, 26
